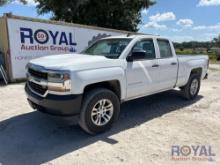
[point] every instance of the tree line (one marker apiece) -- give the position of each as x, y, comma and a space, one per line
215, 42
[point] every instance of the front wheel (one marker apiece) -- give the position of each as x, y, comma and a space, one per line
100, 109
191, 89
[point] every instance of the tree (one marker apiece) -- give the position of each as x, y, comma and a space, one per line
2, 2
116, 14
216, 41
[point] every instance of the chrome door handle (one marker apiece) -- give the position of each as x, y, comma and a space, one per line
173, 63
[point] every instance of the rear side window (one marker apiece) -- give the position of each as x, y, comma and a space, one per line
165, 49
147, 46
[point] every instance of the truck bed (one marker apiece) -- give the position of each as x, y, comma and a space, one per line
187, 57
189, 62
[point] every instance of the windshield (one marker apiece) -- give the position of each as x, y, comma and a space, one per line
110, 48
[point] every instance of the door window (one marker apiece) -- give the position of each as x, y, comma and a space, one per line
165, 49
147, 46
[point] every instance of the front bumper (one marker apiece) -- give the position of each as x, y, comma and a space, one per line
61, 105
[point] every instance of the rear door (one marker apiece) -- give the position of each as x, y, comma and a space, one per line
168, 65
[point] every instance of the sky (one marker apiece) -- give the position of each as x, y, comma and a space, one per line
180, 20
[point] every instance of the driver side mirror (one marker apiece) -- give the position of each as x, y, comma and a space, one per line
136, 54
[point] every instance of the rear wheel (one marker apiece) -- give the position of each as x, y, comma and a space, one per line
100, 109
191, 89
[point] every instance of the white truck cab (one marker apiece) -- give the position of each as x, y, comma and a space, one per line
93, 83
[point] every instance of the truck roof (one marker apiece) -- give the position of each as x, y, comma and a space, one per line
132, 36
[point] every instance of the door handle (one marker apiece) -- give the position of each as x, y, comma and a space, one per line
173, 63
155, 65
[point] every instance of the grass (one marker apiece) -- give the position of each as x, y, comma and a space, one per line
214, 62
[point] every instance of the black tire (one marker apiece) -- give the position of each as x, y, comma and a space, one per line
186, 89
91, 99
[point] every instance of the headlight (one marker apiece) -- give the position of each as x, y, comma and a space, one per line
59, 82
58, 77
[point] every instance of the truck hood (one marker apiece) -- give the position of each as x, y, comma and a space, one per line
76, 62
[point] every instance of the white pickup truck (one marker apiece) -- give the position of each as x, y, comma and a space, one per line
92, 84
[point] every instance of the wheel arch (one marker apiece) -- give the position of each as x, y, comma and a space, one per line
196, 71
113, 85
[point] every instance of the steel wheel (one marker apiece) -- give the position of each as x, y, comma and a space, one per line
102, 112
194, 87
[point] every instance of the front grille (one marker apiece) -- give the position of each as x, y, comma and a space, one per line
37, 74
37, 88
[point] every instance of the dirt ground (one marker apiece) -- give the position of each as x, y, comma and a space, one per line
145, 133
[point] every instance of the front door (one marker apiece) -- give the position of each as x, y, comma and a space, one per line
143, 74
